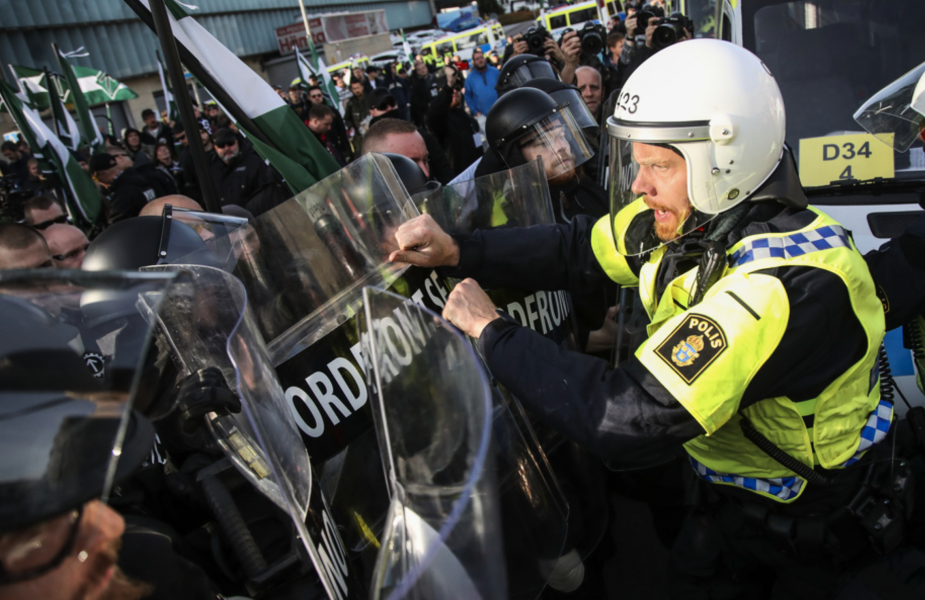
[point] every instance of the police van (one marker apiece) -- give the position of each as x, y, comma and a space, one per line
569, 17
830, 58
488, 37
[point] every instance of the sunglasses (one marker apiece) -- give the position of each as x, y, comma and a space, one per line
72, 253
41, 548
60, 220
225, 144
386, 104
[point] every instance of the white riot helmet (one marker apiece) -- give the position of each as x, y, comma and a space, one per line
716, 105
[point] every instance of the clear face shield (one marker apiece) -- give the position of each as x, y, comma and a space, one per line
571, 99
651, 185
894, 114
556, 139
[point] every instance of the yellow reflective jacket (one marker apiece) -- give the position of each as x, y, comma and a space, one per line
707, 355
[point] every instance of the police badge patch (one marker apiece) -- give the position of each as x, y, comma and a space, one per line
692, 346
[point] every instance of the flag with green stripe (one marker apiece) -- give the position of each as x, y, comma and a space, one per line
270, 114
65, 127
313, 65
91, 132
82, 199
97, 87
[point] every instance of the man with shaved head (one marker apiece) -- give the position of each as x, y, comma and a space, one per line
68, 245
22, 247
155, 208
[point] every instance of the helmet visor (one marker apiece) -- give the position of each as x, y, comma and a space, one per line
892, 116
534, 69
658, 210
571, 98
556, 140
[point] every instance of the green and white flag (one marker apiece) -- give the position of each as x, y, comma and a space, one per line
315, 66
405, 45
82, 199
97, 87
65, 127
91, 132
254, 96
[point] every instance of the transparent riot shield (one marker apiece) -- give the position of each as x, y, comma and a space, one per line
305, 300
209, 324
432, 405
74, 351
519, 197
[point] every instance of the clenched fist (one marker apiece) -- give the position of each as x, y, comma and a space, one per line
421, 242
469, 308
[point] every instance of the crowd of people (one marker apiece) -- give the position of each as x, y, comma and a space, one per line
743, 350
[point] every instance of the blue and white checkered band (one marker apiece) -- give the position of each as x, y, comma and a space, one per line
797, 244
873, 432
784, 488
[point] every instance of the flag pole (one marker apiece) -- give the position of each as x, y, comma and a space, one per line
200, 73
308, 30
187, 117
48, 81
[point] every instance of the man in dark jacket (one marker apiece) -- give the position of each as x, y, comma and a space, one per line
454, 128
338, 132
241, 177
424, 88
320, 120
128, 190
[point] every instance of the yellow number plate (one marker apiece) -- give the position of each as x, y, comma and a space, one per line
845, 157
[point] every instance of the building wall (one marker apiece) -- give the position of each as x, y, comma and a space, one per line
122, 46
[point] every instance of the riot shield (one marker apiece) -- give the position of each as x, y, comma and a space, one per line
432, 405
519, 197
209, 324
305, 298
74, 352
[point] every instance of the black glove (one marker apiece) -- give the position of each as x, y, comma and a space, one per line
203, 392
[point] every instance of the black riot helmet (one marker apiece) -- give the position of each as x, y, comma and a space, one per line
411, 175
522, 68
568, 96
59, 420
141, 242
426, 195
526, 123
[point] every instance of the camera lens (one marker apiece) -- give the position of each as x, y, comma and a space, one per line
665, 35
591, 44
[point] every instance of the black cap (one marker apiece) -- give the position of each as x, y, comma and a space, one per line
223, 136
101, 162
377, 97
177, 128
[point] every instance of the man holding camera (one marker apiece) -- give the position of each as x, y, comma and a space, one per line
659, 33
455, 129
566, 55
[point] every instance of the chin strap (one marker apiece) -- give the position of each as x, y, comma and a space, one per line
714, 250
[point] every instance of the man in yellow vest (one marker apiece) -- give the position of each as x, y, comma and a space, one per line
761, 360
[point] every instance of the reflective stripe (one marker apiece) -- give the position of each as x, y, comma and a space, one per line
785, 488
796, 244
876, 428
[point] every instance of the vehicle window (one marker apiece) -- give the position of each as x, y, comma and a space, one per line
614, 7
471, 41
557, 21
830, 56
427, 50
580, 16
444, 48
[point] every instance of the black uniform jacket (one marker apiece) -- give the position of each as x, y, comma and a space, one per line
240, 180
625, 412
128, 194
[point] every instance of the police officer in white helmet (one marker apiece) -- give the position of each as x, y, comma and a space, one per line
761, 357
